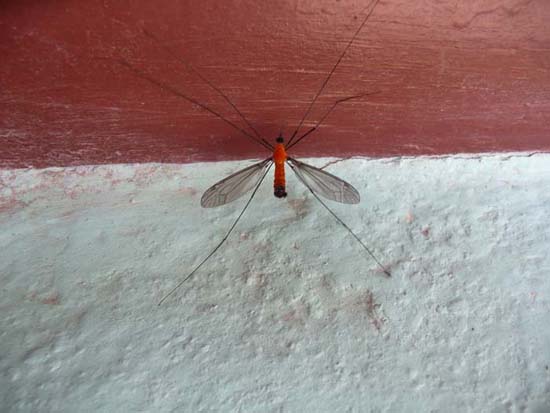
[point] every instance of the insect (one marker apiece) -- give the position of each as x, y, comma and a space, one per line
320, 183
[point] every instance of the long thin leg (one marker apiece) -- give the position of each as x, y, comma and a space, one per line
204, 79
173, 290
344, 225
375, 2
174, 91
326, 115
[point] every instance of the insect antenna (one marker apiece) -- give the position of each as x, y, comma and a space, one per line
174, 91
173, 290
283, 127
342, 223
190, 68
375, 2
328, 113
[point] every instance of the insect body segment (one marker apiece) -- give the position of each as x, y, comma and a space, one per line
279, 157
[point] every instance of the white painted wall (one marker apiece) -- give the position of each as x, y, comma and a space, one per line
290, 315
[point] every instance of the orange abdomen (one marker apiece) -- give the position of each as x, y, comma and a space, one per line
279, 183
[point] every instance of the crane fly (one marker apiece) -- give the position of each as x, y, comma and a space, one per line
320, 183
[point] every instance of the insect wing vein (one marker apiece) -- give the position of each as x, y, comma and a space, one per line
325, 184
234, 186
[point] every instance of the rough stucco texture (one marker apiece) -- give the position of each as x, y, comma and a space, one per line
290, 315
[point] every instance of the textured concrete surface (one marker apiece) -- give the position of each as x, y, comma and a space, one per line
290, 315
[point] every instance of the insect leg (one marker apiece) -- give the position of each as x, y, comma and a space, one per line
173, 290
328, 113
204, 79
374, 3
176, 92
345, 226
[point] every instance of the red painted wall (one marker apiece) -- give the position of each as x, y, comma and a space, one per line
453, 77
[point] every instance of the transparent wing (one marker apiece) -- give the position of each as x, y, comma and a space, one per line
234, 186
325, 184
